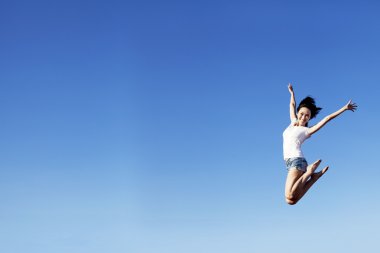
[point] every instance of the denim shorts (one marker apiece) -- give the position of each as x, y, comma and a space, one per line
298, 163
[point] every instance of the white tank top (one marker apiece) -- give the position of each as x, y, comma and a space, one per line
293, 137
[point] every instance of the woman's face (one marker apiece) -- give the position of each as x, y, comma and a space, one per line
303, 116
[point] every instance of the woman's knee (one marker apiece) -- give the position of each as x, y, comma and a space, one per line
290, 199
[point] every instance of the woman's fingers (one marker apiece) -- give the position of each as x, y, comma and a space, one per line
353, 106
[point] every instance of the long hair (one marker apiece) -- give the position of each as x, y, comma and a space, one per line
309, 103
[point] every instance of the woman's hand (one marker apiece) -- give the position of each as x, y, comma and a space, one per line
290, 88
350, 106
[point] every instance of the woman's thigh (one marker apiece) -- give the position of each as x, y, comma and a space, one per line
293, 176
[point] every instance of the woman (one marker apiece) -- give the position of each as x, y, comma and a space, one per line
301, 176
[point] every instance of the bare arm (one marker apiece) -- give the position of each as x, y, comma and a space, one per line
349, 106
292, 105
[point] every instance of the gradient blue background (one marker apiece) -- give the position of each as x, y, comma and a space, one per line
156, 126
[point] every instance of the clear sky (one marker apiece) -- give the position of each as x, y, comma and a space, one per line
156, 126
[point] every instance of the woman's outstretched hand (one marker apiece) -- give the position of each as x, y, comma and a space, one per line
290, 88
350, 106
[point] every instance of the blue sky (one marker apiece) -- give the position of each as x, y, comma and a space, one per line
156, 126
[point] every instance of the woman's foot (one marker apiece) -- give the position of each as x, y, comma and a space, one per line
312, 167
317, 175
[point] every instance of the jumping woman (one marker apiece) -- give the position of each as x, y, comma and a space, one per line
302, 176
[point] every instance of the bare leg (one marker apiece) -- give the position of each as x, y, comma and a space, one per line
293, 176
298, 182
313, 178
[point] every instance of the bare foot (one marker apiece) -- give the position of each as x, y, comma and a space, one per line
317, 175
312, 167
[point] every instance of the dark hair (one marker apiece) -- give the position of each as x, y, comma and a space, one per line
309, 103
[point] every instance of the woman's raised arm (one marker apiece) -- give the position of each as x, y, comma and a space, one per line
349, 106
292, 105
